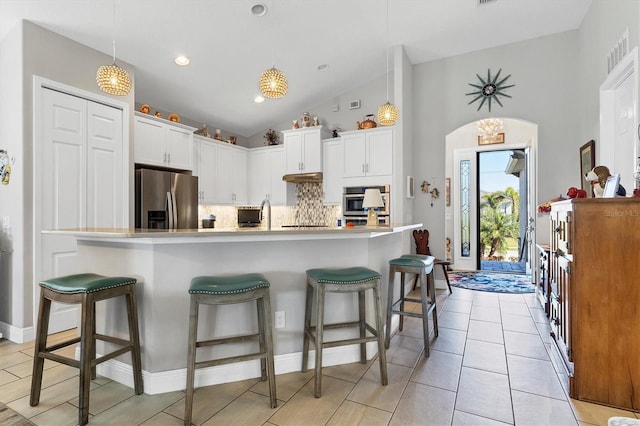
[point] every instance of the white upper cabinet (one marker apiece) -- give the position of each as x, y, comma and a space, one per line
303, 149
368, 152
231, 175
267, 166
332, 157
205, 166
162, 143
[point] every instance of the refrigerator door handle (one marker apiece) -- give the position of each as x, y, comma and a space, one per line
175, 210
170, 209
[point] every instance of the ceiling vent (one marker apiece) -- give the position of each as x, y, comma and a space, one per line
483, 2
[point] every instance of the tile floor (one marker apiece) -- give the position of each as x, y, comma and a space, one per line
489, 366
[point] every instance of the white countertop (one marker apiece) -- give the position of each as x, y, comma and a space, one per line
167, 236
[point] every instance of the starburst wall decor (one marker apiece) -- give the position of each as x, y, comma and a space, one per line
489, 90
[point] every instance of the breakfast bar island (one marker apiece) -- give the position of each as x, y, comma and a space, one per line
165, 261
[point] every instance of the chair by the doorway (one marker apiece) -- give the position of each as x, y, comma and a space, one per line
421, 238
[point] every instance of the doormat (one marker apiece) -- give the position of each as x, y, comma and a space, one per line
492, 282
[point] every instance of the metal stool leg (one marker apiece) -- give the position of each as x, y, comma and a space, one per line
425, 311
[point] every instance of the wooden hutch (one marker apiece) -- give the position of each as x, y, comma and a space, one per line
594, 279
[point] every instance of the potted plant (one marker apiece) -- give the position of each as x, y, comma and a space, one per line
272, 137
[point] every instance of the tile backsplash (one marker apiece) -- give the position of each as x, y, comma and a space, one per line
309, 210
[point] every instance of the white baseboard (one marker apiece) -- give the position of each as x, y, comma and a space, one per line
16, 334
175, 380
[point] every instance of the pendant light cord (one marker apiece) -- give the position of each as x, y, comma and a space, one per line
113, 30
387, 48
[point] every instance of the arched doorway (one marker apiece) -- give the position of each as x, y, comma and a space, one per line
461, 215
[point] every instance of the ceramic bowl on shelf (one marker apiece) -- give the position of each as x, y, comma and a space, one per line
174, 117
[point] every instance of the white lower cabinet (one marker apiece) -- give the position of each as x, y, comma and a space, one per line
267, 166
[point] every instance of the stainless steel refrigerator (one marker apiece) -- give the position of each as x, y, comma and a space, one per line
166, 200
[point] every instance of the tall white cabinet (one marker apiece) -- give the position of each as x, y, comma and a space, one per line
82, 180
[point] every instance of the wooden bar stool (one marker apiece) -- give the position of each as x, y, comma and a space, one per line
422, 266
86, 290
349, 280
225, 290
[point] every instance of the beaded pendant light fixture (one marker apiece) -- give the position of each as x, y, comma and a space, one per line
273, 82
388, 113
113, 79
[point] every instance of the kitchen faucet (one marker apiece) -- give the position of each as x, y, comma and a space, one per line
268, 203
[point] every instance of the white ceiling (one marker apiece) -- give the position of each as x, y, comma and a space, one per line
229, 47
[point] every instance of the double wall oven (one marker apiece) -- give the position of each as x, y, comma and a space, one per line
353, 211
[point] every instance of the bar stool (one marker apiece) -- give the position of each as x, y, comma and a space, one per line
85, 289
225, 290
422, 266
349, 280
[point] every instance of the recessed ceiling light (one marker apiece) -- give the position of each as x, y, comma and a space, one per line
259, 9
258, 99
323, 67
182, 60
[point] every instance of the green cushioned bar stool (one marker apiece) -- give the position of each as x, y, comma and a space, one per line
348, 280
226, 290
422, 266
86, 290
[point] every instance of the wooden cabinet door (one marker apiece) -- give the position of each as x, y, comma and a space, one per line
179, 145
149, 142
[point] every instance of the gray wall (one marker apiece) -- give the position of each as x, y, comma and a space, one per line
46, 54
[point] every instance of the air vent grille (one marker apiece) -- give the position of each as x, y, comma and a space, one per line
483, 2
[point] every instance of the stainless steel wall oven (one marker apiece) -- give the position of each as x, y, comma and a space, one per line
353, 211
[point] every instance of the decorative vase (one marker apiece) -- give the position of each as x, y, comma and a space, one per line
295, 125
306, 119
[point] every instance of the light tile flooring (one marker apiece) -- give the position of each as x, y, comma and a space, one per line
489, 366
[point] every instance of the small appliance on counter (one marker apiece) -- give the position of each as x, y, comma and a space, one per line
249, 216
209, 222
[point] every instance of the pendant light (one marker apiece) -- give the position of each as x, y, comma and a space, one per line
273, 82
388, 113
113, 79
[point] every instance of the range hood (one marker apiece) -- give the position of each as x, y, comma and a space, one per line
303, 177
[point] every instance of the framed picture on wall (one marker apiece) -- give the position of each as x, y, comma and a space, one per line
587, 162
